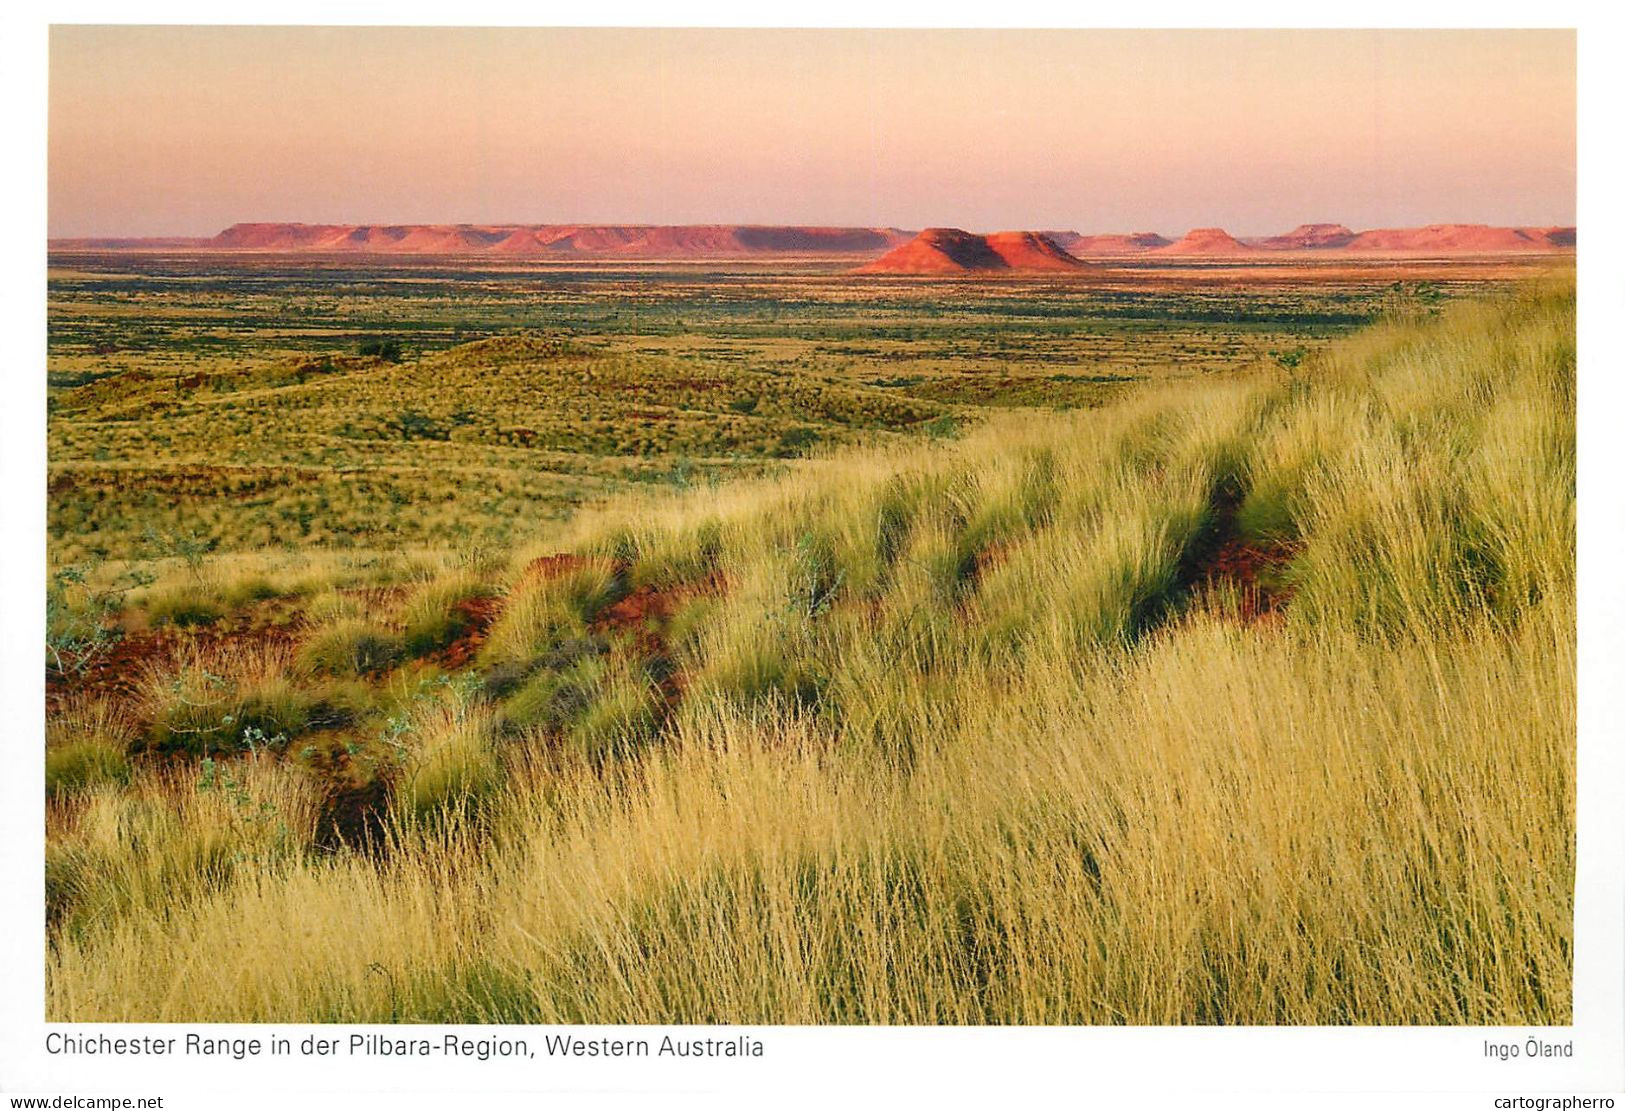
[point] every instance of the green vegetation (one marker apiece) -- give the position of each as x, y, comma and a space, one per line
1226, 698
239, 405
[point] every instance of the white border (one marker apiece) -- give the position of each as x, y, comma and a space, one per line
865, 1064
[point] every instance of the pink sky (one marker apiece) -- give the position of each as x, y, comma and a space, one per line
184, 130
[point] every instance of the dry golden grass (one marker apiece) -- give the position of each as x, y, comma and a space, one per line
961, 738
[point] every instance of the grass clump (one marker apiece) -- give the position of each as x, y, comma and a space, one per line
214, 702
350, 647
168, 837
450, 763
87, 743
544, 610
185, 605
555, 697
438, 613
620, 719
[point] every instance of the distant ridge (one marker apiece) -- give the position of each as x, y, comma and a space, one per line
1133, 243
627, 240
1469, 238
1054, 250
1440, 239
1307, 237
954, 251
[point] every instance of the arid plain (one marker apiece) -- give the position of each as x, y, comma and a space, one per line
617, 624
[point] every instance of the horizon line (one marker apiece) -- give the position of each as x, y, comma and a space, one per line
1149, 229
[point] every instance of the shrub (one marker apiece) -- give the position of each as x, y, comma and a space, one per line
541, 614
84, 763
350, 647
389, 350
183, 606
79, 616
436, 615
217, 702
450, 761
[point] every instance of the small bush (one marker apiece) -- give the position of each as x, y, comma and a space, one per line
183, 606
554, 699
436, 616
249, 588
451, 763
389, 350
350, 647
84, 763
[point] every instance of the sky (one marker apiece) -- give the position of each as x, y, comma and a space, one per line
186, 130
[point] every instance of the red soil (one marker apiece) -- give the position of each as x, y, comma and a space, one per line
552, 566
116, 672
1253, 570
643, 614
643, 610
639, 613
478, 615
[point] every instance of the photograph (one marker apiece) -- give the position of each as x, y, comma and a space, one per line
597, 542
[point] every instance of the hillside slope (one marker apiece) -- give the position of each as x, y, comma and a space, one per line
1231, 703
1206, 241
626, 240
951, 251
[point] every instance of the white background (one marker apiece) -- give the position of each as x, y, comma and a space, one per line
1220, 1068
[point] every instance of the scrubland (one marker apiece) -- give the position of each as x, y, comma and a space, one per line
1241, 698
258, 406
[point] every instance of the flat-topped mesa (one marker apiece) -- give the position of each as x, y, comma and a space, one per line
1464, 239
1031, 250
1329, 238
1308, 237
1133, 243
955, 251
643, 240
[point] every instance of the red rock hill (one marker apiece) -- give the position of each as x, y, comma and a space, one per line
1132, 244
638, 240
1206, 241
1309, 237
1463, 239
952, 251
